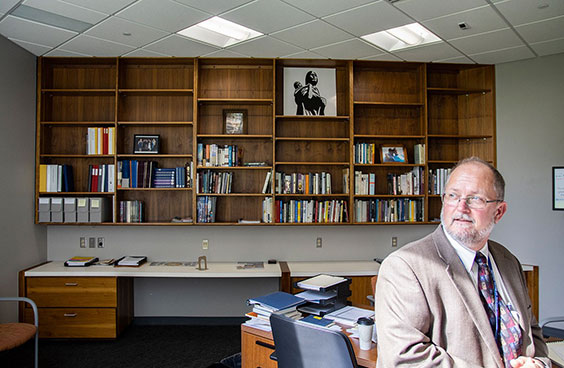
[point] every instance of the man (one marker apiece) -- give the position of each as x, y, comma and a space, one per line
438, 307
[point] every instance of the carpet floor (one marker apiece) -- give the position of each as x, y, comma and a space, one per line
138, 346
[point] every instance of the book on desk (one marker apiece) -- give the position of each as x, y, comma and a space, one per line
80, 261
131, 261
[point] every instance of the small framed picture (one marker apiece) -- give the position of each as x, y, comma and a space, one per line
558, 188
145, 143
234, 121
393, 155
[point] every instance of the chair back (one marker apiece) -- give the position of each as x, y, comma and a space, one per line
300, 345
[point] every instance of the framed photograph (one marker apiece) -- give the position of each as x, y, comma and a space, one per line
310, 91
393, 155
558, 188
234, 121
146, 143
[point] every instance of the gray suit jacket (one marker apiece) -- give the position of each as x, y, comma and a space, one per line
429, 313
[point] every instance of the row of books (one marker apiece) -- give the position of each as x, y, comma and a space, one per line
267, 210
388, 210
147, 174
215, 155
437, 180
100, 141
365, 153
410, 183
101, 178
126, 261
56, 178
131, 211
311, 211
206, 209
299, 183
209, 181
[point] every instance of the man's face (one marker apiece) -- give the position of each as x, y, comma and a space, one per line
470, 226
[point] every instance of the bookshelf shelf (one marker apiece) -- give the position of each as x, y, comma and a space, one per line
448, 108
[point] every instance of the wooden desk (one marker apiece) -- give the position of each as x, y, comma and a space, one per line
257, 345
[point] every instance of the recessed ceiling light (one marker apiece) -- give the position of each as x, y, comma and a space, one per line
219, 32
402, 37
45, 17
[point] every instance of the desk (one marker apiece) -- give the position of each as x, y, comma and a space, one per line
257, 345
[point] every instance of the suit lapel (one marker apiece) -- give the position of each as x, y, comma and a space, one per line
466, 290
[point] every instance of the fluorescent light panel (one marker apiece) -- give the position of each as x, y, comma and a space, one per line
52, 19
219, 32
403, 37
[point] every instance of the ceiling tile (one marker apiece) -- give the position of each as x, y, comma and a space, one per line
144, 53
28, 31
63, 53
6, 5
485, 42
67, 10
304, 55
457, 60
429, 9
225, 53
429, 53
351, 49
503, 56
214, 7
180, 46
265, 46
322, 8
104, 6
361, 21
518, 12
312, 34
94, 46
543, 30
267, 16
549, 47
113, 28
163, 14
480, 20
34, 48
383, 57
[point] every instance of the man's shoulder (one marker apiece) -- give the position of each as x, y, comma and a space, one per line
424, 246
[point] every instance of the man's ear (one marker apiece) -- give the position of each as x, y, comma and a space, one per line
500, 211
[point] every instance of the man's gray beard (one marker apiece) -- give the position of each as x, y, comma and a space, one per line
470, 237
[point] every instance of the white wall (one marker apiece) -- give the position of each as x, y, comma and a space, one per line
530, 114
22, 244
530, 140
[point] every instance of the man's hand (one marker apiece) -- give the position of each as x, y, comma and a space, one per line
526, 362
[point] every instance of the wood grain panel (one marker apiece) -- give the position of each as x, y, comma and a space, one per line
312, 151
74, 107
161, 205
76, 322
240, 81
156, 73
259, 118
173, 139
72, 291
388, 120
76, 73
387, 83
141, 107
532, 280
314, 128
256, 355
231, 209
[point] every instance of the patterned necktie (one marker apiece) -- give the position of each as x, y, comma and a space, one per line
509, 340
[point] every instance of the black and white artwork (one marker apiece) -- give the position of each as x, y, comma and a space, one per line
310, 91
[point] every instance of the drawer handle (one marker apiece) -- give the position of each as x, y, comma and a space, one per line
70, 314
264, 345
71, 283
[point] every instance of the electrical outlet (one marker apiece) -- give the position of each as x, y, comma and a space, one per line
394, 241
82, 242
205, 244
91, 242
318, 243
101, 242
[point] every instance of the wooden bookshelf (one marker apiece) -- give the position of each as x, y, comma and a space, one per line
449, 108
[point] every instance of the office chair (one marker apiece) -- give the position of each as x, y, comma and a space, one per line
548, 331
15, 334
299, 345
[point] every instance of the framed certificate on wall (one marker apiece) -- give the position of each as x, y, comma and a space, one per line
558, 188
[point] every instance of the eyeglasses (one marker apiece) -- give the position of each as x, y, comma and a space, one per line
475, 202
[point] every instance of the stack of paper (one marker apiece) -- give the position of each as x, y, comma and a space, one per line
556, 352
79, 261
132, 261
349, 315
320, 282
264, 306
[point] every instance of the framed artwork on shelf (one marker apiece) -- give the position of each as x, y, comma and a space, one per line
558, 188
393, 154
146, 143
310, 91
234, 121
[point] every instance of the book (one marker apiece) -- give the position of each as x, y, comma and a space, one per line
277, 301
131, 261
320, 282
317, 320
81, 261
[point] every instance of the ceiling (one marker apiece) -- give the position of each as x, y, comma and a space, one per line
499, 30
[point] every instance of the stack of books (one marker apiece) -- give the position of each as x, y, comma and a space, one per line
277, 302
80, 261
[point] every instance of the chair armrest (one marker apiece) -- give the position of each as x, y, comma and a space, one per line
551, 320
27, 300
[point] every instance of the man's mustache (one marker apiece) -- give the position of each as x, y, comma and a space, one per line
463, 216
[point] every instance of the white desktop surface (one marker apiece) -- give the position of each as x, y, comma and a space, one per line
215, 270
336, 268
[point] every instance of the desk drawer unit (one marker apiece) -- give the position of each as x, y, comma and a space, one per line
256, 350
81, 307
